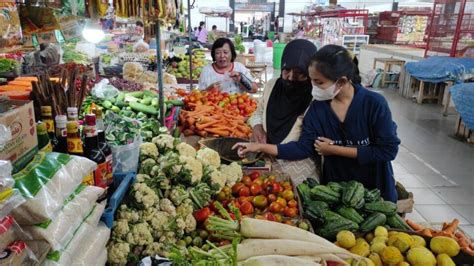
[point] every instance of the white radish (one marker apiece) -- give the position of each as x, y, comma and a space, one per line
277, 260
255, 228
333, 257
317, 258
282, 247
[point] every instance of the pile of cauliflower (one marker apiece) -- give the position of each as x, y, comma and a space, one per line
159, 210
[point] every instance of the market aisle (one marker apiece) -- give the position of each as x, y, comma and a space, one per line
432, 164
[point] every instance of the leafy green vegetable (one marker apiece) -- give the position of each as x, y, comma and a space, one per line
7, 65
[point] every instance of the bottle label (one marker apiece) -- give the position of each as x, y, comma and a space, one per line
74, 145
61, 132
47, 148
90, 131
101, 176
49, 125
89, 179
108, 161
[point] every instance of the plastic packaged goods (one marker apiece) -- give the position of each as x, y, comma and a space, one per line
79, 242
60, 229
9, 231
101, 259
40, 249
94, 218
16, 253
46, 182
6, 179
94, 245
9, 198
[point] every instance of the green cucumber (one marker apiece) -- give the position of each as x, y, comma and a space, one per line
395, 221
138, 107
324, 193
136, 94
372, 221
386, 207
352, 193
350, 213
146, 101
107, 104
175, 102
120, 96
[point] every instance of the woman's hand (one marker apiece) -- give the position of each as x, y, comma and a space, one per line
324, 146
215, 86
258, 134
236, 76
246, 147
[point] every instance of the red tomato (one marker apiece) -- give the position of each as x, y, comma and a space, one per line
202, 214
290, 212
241, 100
272, 197
244, 192
213, 207
236, 188
246, 180
278, 217
246, 208
292, 203
270, 217
277, 188
289, 222
254, 175
275, 207
258, 181
255, 189
282, 201
245, 199
235, 203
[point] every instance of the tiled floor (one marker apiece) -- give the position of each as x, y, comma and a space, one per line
432, 164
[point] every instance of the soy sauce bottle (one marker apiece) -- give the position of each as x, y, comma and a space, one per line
103, 145
44, 144
61, 133
92, 151
47, 119
74, 142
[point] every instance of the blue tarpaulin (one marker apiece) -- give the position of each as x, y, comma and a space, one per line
437, 69
463, 98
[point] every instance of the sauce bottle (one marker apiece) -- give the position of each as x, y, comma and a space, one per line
92, 151
61, 134
74, 142
47, 118
44, 144
103, 145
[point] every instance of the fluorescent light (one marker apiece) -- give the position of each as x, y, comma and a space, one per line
93, 35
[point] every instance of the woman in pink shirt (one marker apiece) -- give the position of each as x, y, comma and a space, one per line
201, 33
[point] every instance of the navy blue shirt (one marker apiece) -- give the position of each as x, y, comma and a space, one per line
368, 126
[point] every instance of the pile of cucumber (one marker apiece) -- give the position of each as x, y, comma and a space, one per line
349, 206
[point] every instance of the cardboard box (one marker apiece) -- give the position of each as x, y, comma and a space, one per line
19, 116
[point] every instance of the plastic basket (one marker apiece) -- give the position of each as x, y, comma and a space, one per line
121, 184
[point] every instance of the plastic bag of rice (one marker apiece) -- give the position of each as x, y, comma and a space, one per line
79, 241
93, 246
60, 230
46, 182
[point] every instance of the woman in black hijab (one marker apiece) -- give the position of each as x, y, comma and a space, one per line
279, 115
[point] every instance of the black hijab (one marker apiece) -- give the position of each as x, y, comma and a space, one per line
289, 100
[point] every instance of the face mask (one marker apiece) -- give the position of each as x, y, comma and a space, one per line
324, 95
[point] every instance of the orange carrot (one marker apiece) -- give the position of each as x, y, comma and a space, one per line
426, 232
451, 228
217, 131
202, 126
442, 233
414, 225
463, 243
445, 225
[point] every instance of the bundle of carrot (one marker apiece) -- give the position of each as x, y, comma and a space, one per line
213, 120
448, 230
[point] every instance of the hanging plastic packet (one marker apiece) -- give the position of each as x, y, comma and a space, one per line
246, 82
9, 198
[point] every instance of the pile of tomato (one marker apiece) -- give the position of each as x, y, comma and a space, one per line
262, 197
237, 103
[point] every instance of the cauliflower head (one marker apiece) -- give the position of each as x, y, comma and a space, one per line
146, 166
186, 150
232, 172
148, 150
190, 223
164, 142
185, 208
132, 216
209, 156
178, 194
142, 178
168, 238
144, 195
117, 253
194, 166
154, 249
167, 206
217, 178
140, 235
120, 229
159, 221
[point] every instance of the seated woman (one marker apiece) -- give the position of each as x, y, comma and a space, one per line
225, 74
350, 126
280, 111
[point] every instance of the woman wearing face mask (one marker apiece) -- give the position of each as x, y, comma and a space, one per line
224, 74
350, 126
280, 111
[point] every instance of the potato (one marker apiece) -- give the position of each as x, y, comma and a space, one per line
443, 244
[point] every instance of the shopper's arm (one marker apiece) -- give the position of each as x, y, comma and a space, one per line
384, 142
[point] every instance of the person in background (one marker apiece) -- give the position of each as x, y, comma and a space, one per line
110, 17
139, 28
299, 32
225, 74
348, 125
276, 23
280, 111
213, 35
202, 33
